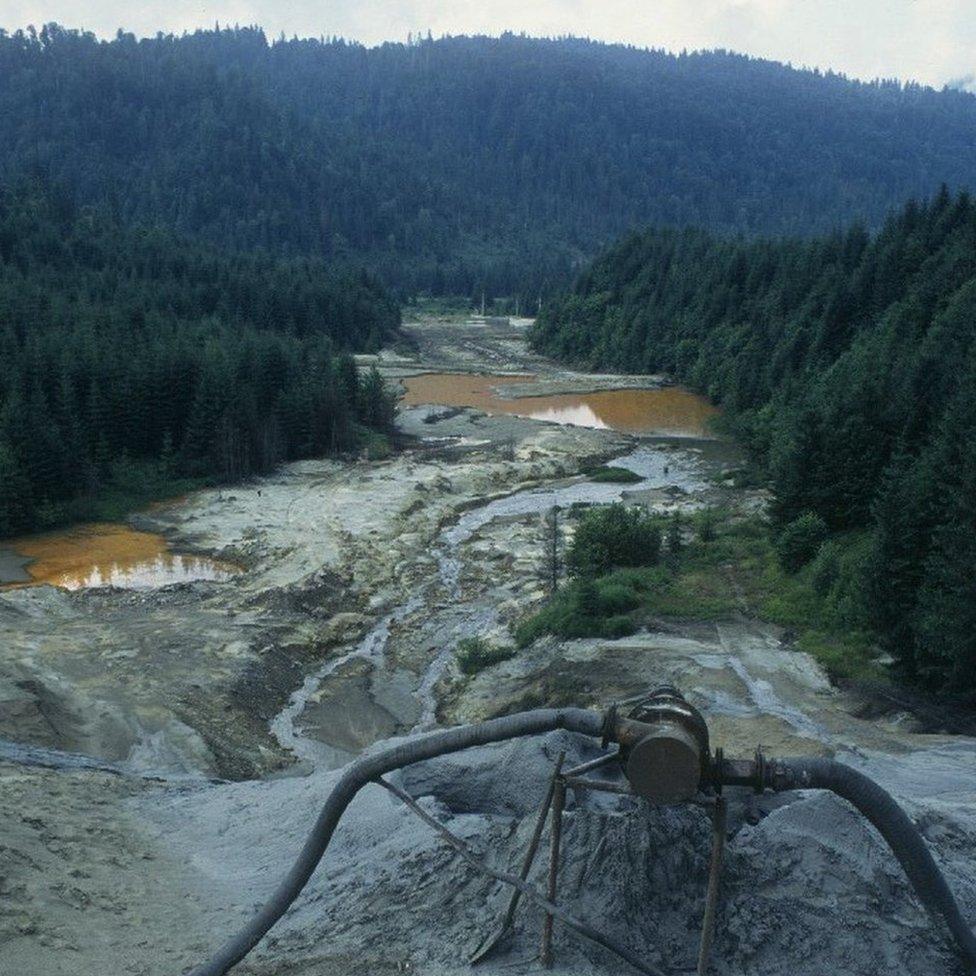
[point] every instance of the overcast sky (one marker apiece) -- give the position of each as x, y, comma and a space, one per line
933, 41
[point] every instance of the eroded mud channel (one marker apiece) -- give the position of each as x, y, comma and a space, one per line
167, 747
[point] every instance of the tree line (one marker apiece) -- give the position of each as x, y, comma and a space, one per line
132, 354
466, 164
847, 364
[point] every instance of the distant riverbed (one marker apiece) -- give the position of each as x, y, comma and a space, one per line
114, 554
667, 411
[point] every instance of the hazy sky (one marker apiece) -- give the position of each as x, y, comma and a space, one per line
933, 41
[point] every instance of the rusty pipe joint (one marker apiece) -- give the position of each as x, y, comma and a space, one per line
663, 747
759, 773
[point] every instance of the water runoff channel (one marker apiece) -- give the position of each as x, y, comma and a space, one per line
456, 617
451, 614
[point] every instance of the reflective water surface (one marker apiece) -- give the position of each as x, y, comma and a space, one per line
670, 410
109, 554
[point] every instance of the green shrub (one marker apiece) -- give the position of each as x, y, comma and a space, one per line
474, 654
615, 598
839, 573
640, 580
614, 627
620, 476
584, 608
799, 541
584, 598
825, 568
375, 445
705, 524
565, 621
613, 535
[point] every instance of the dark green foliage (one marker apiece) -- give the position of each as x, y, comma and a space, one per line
705, 523
585, 608
943, 622
474, 654
736, 572
614, 475
799, 540
616, 598
467, 165
848, 366
838, 574
132, 356
613, 535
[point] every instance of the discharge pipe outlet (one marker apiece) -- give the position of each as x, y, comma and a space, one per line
364, 771
665, 754
877, 806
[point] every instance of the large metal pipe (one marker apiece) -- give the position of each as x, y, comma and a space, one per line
870, 799
364, 771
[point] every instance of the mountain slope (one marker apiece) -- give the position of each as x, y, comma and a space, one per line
848, 364
464, 163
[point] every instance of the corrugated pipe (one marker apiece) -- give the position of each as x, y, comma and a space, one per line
868, 797
899, 833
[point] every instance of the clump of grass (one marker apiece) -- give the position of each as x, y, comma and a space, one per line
614, 475
475, 654
595, 608
375, 445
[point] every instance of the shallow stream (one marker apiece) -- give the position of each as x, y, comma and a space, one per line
456, 615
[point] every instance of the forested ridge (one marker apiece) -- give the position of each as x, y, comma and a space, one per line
465, 163
131, 357
848, 365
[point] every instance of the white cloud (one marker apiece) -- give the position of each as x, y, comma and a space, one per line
932, 41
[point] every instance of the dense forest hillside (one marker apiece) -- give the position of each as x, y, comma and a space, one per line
131, 356
464, 163
848, 363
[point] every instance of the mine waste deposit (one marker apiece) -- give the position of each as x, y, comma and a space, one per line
484, 504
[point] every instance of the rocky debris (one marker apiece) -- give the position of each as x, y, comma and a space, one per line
808, 886
187, 676
345, 627
101, 873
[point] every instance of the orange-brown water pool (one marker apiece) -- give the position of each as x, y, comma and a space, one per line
105, 554
670, 410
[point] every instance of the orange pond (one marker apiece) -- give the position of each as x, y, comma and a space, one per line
106, 554
670, 410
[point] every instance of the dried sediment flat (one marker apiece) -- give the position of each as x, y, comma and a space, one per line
143, 869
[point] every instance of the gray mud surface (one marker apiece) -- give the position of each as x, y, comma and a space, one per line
13, 567
808, 887
163, 753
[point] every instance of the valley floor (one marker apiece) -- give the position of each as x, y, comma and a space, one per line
213, 716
